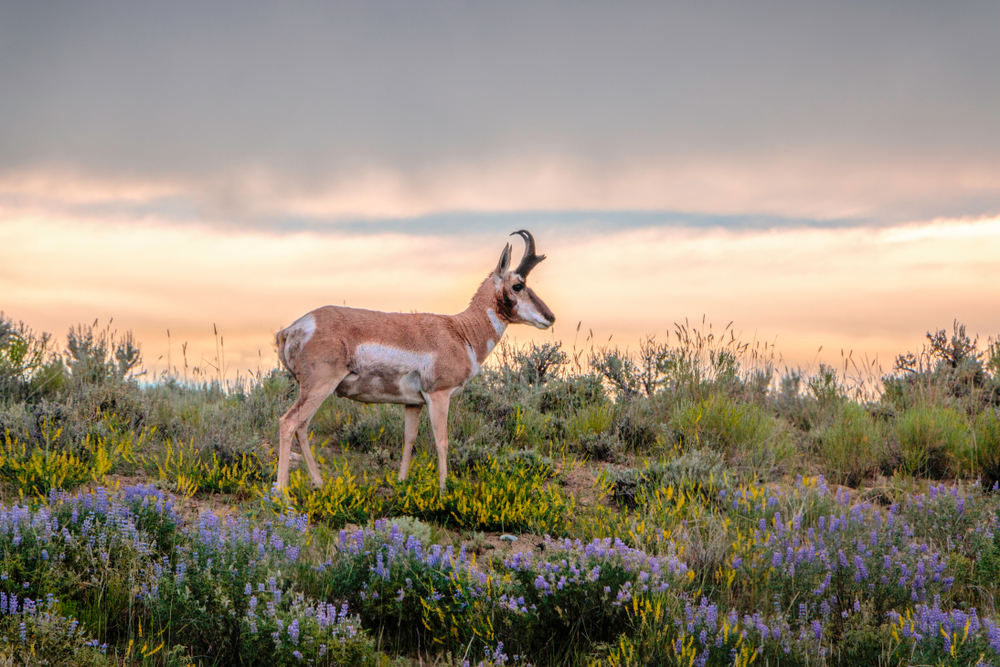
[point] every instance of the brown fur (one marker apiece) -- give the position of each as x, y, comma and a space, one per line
323, 362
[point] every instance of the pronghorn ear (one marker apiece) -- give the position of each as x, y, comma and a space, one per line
504, 264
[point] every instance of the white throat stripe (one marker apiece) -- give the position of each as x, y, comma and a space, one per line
498, 326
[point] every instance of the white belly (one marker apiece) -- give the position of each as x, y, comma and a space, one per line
383, 374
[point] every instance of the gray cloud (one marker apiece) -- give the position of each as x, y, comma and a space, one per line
318, 91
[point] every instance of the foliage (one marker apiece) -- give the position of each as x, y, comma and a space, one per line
932, 441
29, 366
853, 446
743, 432
36, 470
659, 507
189, 471
498, 494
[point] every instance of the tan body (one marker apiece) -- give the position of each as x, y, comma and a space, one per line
410, 359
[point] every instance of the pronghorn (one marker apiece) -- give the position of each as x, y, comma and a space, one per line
408, 358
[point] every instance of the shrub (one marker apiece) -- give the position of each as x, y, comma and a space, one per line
932, 441
531, 365
620, 371
34, 633
947, 370
985, 452
576, 594
422, 596
701, 470
853, 447
102, 357
571, 394
598, 447
743, 432
28, 367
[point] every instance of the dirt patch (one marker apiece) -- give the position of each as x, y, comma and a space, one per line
500, 543
581, 481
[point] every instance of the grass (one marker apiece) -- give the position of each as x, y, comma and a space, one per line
682, 505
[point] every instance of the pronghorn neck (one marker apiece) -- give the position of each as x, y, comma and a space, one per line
483, 323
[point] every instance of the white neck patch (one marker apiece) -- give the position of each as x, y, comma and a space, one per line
472, 357
498, 326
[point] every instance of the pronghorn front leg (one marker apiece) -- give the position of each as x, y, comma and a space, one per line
411, 419
437, 404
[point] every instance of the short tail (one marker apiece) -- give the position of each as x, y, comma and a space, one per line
280, 340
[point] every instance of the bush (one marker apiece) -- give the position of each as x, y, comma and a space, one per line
102, 357
853, 447
38, 635
531, 365
743, 432
598, 447
28, 366
985, 452
568, 395
702, 471
932, 441
422, 596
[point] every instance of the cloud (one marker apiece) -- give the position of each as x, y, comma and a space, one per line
323, 113
762, 192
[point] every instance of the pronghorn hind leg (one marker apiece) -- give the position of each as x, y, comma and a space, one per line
411, 420
437, 404
302, 436
295, 423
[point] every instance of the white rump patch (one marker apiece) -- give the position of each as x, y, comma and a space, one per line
499, 326
296, 336
302, 328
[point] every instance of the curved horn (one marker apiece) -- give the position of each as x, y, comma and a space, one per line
530, 259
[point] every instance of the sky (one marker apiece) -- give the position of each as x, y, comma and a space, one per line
822, 175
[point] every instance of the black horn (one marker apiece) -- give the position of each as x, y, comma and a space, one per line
530, 259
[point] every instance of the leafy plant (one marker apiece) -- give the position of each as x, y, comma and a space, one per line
932, 440
854, 446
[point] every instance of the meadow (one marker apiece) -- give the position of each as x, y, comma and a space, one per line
685, 503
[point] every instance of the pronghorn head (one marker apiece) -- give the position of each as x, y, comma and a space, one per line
516, 302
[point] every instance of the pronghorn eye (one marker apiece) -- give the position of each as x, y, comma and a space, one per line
518, 287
